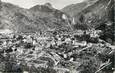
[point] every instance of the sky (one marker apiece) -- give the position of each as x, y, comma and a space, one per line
58, 4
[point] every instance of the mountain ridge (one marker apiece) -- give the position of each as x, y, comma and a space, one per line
99, 8
31, 20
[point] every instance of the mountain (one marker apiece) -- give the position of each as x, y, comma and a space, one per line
91, 12
74, 9
97, 14
40, 18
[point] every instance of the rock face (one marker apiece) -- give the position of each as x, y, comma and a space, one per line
38, 18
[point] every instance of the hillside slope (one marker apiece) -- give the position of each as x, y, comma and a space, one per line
18, 19
88, 12
98, 15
